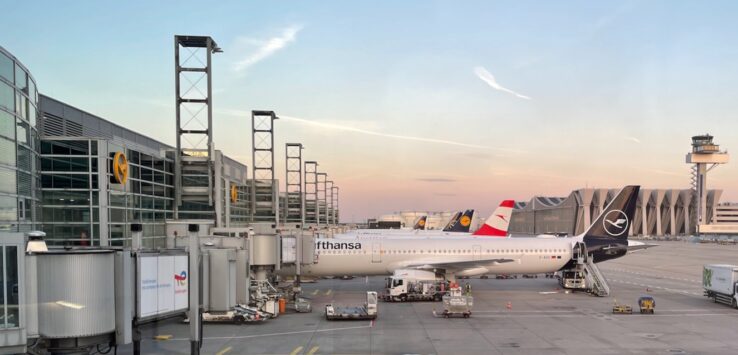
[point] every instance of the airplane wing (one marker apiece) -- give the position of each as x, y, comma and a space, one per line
453, 264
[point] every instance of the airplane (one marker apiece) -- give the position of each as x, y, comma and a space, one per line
604, 240
495, 226
420, 224
459, 224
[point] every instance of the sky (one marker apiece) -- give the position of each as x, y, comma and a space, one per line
417, 105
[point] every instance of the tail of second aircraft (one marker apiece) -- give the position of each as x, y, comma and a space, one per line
497, 224
420, 224
607, 237
463, 224
452, 221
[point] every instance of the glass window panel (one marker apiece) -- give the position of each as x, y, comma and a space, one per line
32, 94
7, 97
11, 272
93, 147
32, 115
24, 184
7, 125
24, 158
7, 152
8, 208
21, 78
21, 105
22, 132
6, 67
3, 323
7, 180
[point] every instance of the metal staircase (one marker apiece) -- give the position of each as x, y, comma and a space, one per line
595, 281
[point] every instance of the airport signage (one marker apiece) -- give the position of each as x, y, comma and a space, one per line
162, 282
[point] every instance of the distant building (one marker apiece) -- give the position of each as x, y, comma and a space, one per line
659, 212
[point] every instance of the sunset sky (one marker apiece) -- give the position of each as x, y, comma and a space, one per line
416, 104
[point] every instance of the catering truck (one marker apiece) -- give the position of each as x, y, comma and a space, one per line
414, 285
720, 282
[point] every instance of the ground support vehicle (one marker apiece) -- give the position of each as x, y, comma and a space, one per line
720, 283
646, 304
366, 311
456, 304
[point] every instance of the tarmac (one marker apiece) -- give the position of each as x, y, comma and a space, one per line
540, 319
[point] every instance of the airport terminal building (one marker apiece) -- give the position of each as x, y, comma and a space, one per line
660, 212
58, 174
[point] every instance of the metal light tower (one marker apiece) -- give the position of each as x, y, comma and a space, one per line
704, 153
329, 202
295, 202
335, 205
311, 192
321, 195
194, 132
264, 191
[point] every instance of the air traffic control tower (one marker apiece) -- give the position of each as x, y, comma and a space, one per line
705, 156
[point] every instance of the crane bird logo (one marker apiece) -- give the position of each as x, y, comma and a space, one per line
615, 223
181, 278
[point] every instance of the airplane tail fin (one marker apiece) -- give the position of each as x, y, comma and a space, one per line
497, 224
420, 224
452, 221
464, 222
607, 237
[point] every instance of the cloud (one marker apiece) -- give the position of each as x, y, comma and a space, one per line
488, 78
632, 139
436, 179
266, 48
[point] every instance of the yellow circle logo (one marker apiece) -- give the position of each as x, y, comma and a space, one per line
421, 222
120, 168
234, 194
465, 221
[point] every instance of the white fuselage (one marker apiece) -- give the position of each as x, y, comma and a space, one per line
399, 234
358, 256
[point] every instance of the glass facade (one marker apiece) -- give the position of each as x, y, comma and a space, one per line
19, 181
84, 205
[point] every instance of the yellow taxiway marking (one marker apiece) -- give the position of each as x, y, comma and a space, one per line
313, 350
224, 351
162, 337
315, 292
296, 351
328, 293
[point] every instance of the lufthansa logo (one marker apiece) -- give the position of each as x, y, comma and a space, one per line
615, 223
234, 194
421, 222
465, 221
120, 168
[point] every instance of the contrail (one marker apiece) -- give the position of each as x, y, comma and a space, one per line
488, 78
240, 113
389, 135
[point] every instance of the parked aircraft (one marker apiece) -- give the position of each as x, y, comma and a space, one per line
605, 239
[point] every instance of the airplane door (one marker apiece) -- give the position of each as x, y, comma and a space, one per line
377, 252
477, 252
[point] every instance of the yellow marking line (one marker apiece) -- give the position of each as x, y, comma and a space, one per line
315, 292
224, 350
328, 293
296, 351
313, 350
162, 337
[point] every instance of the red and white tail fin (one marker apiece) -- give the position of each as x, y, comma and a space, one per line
496, 225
